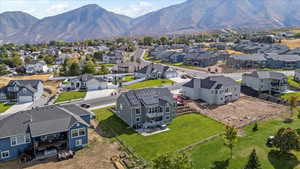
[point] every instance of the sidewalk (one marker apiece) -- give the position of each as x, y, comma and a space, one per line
16, 108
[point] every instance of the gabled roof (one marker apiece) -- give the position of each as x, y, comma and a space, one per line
249, 57
86, 77
148, 96
153, 68
31, 85
211, 82
40, 121
267, 75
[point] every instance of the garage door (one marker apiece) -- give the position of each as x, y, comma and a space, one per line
25, 99
92, 86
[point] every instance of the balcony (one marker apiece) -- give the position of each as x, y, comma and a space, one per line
153, 115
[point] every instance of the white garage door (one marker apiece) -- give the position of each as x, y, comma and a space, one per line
92, 86
25, 99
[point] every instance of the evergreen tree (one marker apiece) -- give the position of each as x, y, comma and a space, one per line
89, 68
286, 140
253, 162
74, 69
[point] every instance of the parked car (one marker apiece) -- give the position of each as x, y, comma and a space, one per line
270, 141
85, 106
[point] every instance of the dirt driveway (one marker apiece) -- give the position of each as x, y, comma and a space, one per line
96, 156
240, 113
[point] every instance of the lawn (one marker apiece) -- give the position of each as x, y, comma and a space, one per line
292, 82
67, 96
149, 83
184, 130
288, 95
214, 155
4, 107
128, 78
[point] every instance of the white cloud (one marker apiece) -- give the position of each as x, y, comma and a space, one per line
136, 9
57, 9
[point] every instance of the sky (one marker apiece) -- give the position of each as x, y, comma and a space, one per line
44, 8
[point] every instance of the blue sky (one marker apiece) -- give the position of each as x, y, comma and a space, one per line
43, 8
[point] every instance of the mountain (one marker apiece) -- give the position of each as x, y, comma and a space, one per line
218, 14
87, 22
12, 22
94, 22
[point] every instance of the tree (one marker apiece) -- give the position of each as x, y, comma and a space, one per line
293, 104
164, 40
148, 40
74, 69
28, 59
103, 70
255, 127
89, 68
286, 140
49, 59
16, 61
230, 138
253, 162
175, 161
3, 69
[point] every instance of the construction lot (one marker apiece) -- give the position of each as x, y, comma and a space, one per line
96, 156
240, 113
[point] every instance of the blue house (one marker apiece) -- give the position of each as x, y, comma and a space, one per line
43, 131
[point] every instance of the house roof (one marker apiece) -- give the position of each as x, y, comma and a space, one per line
211, 82
267, 75
40, 121
249, 57
148, 96
153, 68
32, 85
86, 77
284, 58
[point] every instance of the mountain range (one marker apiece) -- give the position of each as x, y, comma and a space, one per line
93, 22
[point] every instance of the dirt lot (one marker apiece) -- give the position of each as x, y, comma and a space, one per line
291, 43
240, 113
52, 85
96, 156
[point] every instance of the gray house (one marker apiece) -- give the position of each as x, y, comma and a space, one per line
146, 108
216, 90
265, 81
22, 91
86, 82
297, 75
283, 61
247, 61
156, 71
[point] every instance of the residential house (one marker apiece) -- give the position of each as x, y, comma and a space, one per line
128, 67
266, 81
22, 91
247, 61
215, 90
156, 71
43, 132
114, 57
283, 61
85, 82
297, 75
36, 66
146, 108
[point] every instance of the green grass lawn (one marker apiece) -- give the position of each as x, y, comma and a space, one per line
149, 83
67, 96
128, 78
288, 95
184, 130
214, 155
292, 82
4, 107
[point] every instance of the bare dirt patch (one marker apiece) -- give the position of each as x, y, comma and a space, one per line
291, 43
96, 156
240, 113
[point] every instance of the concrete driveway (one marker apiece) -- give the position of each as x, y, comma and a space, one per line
17, 107
98, 94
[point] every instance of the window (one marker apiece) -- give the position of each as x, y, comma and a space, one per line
74, 133
138, 119
28, 139
156, 109
160, 109
4, 154
13, 141
137, 111
167, 117
81, 132
78, 142
167, 109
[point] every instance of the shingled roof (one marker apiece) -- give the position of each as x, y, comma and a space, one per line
41, 121
267, 75
211, 82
